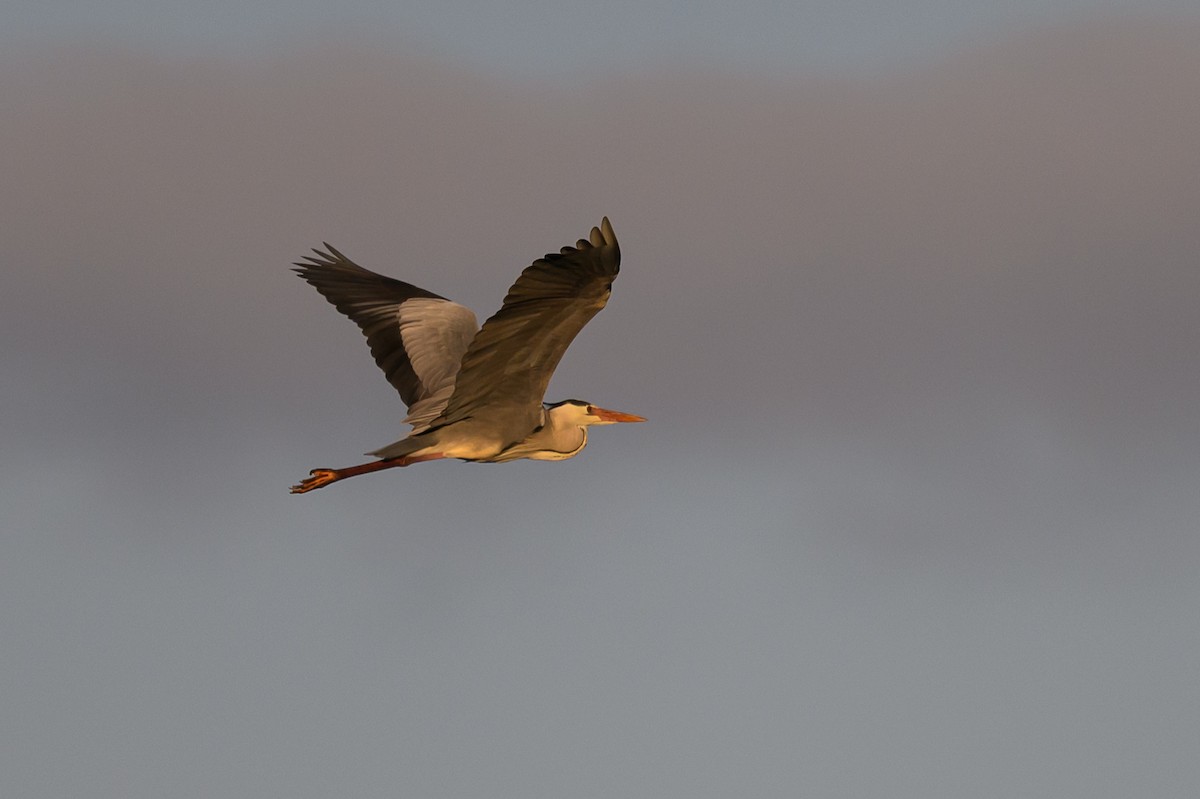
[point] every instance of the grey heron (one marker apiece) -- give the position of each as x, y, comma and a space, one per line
475, 393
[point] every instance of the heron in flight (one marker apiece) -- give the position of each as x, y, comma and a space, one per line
475, 393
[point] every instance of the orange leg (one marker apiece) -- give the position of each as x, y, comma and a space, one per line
323, 477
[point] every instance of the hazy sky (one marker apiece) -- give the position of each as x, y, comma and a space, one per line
541, 38
915, 514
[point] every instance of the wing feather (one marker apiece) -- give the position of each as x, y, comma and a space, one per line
417, 338
512, 357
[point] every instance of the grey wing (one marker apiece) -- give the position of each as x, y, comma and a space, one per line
418, 338
511, 359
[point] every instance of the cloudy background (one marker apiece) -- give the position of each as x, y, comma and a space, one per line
911, 296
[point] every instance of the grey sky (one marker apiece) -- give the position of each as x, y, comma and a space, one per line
914, 515
542, 38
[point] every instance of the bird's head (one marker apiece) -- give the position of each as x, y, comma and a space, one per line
584, 414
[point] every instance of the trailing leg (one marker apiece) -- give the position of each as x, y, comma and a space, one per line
323, 477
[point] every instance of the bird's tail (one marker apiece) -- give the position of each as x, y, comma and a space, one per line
413, 445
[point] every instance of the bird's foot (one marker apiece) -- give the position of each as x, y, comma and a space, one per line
319, 478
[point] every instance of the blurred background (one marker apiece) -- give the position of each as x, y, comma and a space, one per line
909, 295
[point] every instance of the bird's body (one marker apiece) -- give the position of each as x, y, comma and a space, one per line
476, 394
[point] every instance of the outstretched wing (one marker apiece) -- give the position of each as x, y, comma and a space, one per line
417, 337
511, 359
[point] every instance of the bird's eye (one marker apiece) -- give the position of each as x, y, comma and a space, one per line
591, 409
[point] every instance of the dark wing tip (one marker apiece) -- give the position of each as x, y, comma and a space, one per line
319, 258
599, 238
602, 236
332, 251
329, 261
607, 229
